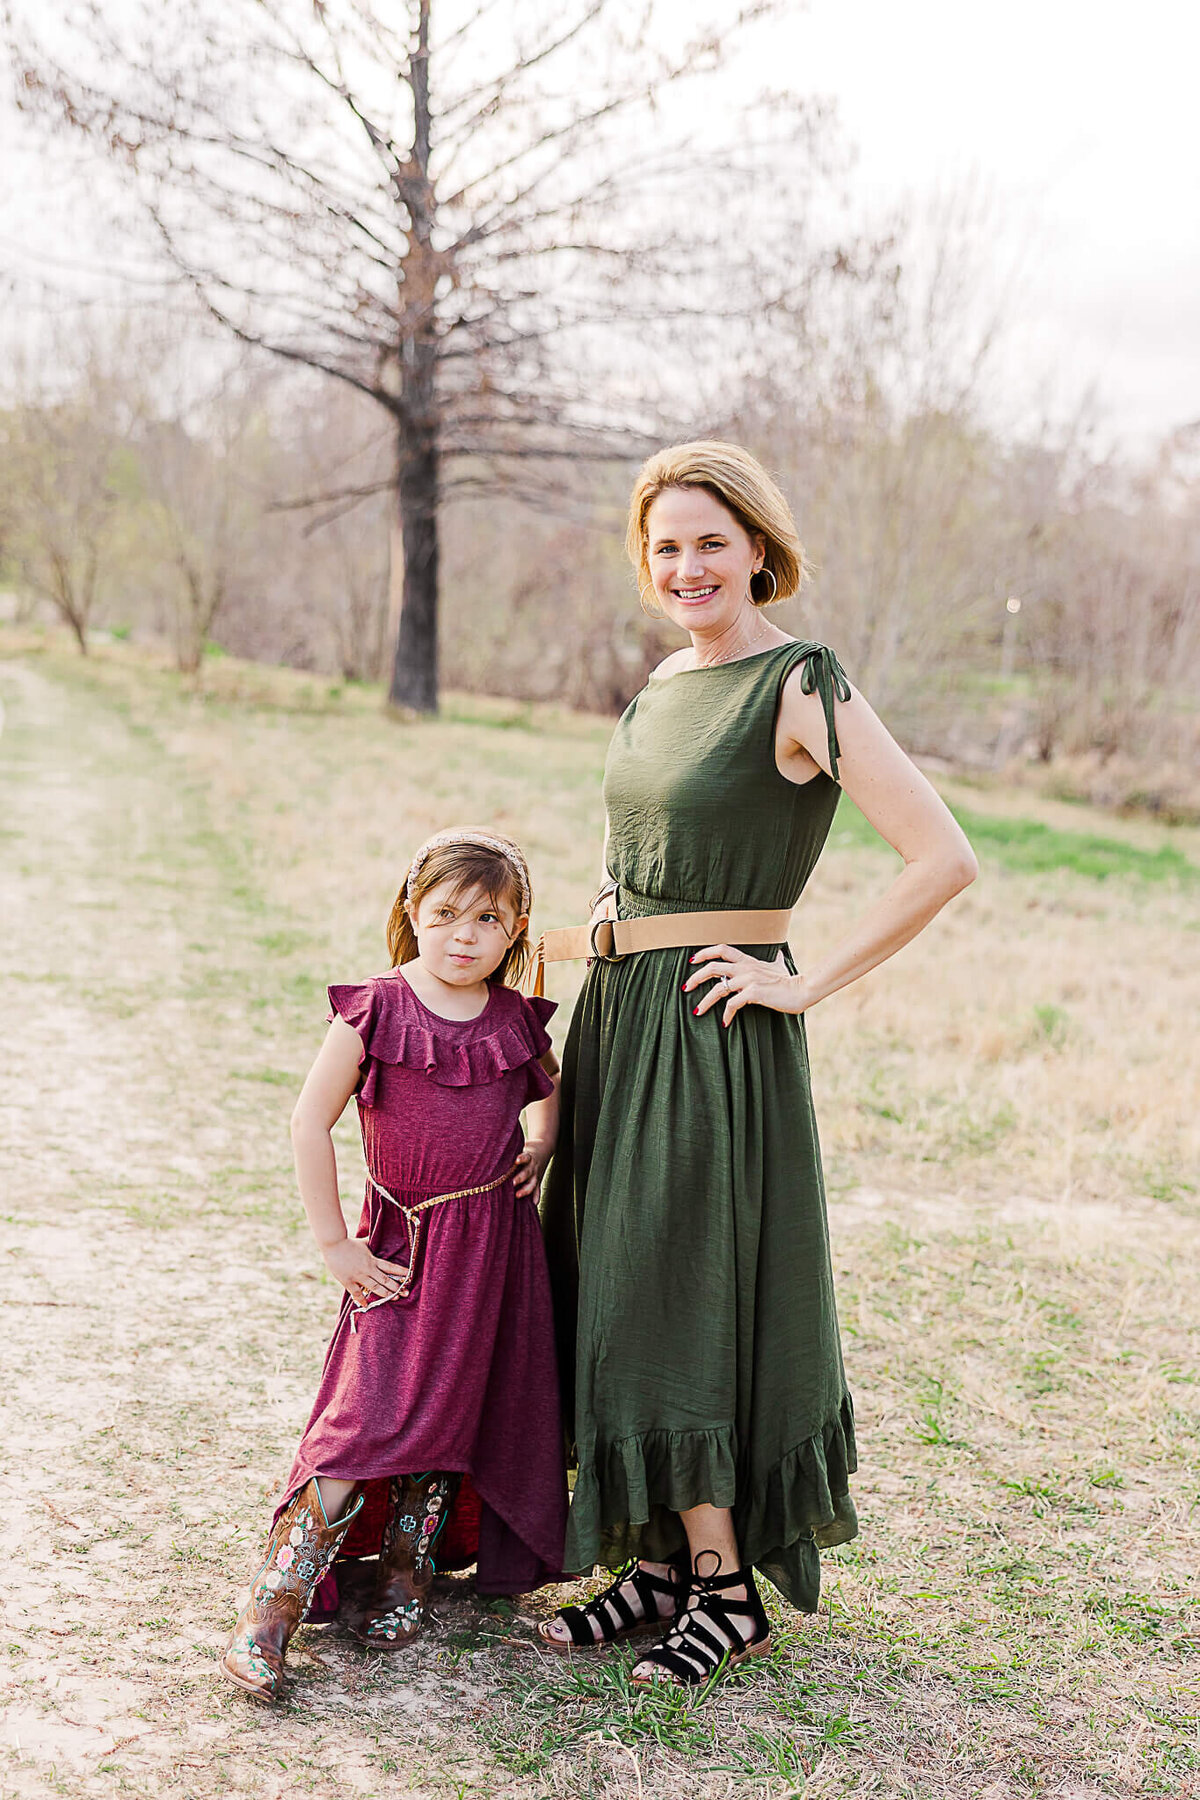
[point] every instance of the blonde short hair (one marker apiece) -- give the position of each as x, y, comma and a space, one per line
741, 484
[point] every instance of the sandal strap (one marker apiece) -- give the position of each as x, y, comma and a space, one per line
612, 1611
675, 1664
648, 1584
693, 1650
576, 1621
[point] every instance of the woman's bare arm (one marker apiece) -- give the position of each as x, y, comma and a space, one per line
606, 904
893, 795
904, 808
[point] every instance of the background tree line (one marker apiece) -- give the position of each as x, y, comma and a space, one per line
184, 511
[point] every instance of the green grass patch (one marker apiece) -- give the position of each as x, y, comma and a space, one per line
761, 1723
1031, 848
283, 943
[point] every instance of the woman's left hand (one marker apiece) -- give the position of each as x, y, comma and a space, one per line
531, 1166
741, 980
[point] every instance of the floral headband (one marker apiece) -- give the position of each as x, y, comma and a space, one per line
441, 839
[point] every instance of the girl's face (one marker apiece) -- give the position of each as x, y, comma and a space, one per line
701, 559
463, 937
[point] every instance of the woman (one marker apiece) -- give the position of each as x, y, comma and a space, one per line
684, 1208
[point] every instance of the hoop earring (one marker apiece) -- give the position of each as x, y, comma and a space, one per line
651, 612
774, 585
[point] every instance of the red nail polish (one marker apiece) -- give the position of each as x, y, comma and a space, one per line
695, 1010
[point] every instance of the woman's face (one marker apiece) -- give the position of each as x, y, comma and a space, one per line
701, 559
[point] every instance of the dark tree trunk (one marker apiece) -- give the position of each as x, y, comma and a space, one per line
415, 664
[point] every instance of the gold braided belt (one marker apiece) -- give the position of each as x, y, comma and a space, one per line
414, 1218
613, 939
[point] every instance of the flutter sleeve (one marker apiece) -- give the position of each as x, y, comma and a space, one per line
537, 1010
395, 1029
358, 1004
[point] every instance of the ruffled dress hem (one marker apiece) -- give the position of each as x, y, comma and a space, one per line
626, 1503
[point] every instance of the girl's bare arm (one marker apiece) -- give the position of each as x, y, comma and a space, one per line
323, 1098
542, 1134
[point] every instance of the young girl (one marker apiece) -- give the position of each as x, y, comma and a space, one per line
439, 1392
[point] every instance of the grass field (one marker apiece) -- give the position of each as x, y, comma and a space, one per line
1009, 1118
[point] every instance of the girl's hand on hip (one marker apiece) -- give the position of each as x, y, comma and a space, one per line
531, 1166
740, 980
364, 1275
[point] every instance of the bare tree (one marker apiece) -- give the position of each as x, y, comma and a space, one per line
1111, 613
203, 462
446, 207
877, 417
335, 440
65, 469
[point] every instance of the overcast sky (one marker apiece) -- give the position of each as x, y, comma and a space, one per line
1084, 120
1079, 118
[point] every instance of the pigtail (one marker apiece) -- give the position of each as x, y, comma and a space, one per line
401, 938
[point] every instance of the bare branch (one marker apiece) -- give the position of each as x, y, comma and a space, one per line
498, 86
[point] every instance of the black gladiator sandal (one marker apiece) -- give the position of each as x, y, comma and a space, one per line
692, 1652
612, 1612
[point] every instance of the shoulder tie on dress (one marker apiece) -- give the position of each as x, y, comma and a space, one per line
821, 673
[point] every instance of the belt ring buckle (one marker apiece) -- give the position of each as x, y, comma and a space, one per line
601, 955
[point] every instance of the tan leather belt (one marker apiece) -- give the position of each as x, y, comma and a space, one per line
612, 939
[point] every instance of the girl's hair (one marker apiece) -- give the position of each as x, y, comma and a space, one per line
502, 873
741, 484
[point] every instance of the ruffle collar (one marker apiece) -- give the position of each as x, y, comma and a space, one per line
397, 1028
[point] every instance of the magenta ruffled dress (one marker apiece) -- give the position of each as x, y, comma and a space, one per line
459, 1373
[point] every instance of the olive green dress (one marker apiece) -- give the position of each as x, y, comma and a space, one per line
684, 1209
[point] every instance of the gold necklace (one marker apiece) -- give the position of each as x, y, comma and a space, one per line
733, 655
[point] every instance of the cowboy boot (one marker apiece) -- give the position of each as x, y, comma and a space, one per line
418, 1507
299, 1551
